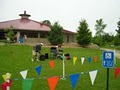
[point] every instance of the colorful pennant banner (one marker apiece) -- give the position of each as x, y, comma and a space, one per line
95, 58
38, 69
24, 74
74, 79
74, 60
27, 84
51, 64
117, 71
82, 60
6, 76
52, 82
89, 59
93, 76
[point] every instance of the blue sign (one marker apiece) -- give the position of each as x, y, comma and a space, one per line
108, 59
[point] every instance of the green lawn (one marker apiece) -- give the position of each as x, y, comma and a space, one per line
16, 58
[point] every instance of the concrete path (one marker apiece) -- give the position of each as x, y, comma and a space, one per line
117, 52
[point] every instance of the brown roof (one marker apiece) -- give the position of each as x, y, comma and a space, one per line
24, 24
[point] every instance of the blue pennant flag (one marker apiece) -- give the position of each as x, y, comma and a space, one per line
38, 69
74, 79
89, 59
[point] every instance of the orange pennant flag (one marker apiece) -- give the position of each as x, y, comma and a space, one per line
117, 71
95, 58
52, 81
51, 63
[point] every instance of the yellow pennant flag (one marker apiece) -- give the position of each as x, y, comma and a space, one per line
4, 77
74, 60
8, 75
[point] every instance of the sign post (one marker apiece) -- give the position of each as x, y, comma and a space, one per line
108, 62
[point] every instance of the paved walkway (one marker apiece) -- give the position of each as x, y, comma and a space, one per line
117, 52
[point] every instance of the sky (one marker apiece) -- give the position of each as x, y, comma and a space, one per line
67, 12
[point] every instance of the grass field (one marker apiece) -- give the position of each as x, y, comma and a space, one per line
16, 58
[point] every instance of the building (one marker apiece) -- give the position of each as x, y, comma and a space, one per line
34, 30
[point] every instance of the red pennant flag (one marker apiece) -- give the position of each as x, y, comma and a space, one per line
117, 71
95, 58
6, 84
51, 63
52, 81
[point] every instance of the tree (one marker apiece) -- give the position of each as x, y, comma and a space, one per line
117, 41
107, 37
55, 36
118, 26
96, 40
83, 34
9, 34
117, 37
99, 27
47, 22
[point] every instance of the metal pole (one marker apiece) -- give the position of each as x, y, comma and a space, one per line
107, 83
63, 77
63, 67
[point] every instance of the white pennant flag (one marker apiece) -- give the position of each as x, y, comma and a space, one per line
24, 74
82, 60
93, 76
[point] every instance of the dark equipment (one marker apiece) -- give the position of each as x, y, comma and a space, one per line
46, 56
67, 55
42, 57
52, 51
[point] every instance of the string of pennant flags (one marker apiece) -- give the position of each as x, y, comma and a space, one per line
95, 58
52, 81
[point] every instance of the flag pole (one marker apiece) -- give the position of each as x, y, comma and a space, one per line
63, 77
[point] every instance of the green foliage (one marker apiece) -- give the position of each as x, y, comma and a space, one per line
83, 34
99, 27
118, 26
96, 40
55, 36
47, 22
117, 40
117, 37
9, 33
106, 39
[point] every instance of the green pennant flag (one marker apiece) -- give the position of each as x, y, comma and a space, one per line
27, 84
